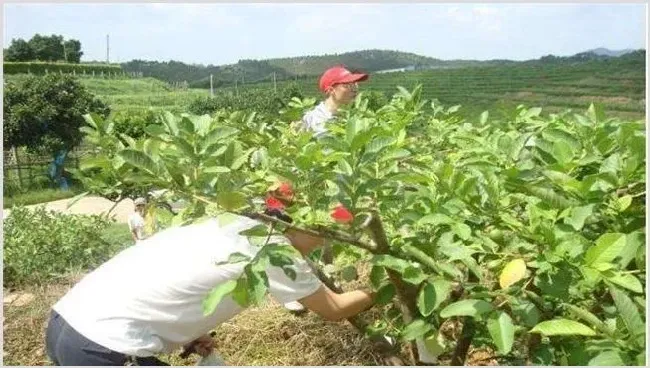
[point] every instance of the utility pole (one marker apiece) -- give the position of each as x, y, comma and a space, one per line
236, 90
211, 91
275, 87
107, 50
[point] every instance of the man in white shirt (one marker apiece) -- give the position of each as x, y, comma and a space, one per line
136, 220
340, 88
148, 299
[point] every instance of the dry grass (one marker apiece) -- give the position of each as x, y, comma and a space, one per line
266, 335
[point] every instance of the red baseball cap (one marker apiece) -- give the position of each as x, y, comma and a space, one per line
339, 74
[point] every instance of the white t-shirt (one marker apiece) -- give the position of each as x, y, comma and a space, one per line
148, 298
136, 222
315, 119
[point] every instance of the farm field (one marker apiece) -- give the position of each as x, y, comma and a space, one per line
617, 85
509, 237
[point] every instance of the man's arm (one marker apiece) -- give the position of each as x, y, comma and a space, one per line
334, 307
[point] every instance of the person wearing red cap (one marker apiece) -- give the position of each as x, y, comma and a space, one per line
340, 87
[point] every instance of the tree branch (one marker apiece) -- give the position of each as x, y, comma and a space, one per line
319, 232
406, 293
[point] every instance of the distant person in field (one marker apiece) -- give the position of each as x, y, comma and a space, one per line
340, 87
136, 220
147, 300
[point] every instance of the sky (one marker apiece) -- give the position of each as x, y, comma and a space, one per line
224, 33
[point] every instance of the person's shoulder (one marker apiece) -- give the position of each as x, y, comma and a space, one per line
317, 110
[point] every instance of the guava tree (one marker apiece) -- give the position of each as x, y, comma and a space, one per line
523, 236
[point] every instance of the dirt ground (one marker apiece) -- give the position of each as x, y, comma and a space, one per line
90, 205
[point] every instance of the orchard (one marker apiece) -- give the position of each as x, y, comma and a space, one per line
526, 235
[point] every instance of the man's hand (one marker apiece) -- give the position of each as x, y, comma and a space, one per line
202, 346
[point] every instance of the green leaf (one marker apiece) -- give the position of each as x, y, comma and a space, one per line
627, 281
533, 112
241, 291
595, 113
235, 258
379, 143
226, 218
201, 123
462, 230
352, 128
155, 130
216, 170
527, 313
139, 159
414, 275
607, 248
562, 152
214, 297
416, 329
427, 299
590, 318
467, 307
345, 168
562, 327
623, 203
633, 242
349, 273
257, 284
550, 197
607, 358
290, 272
257, 230
231, 200
502, 331
456, 251
543, 355
186, 125
385, 294
630, 315
218, 134
578, 216
436, 219
640, 359
391, 262
393, 155
170, 121
377, 276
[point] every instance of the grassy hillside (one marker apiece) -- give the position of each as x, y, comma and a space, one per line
246, 71
123, 94
617, 84
554, 84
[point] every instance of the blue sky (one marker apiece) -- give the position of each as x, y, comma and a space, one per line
224, 33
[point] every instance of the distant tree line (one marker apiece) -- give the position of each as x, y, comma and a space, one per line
44, 48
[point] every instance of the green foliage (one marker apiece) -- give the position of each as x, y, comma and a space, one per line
133, 122
45, 113
41, 68
40, 245
44, 48
618, 84
560, 197
261, 101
